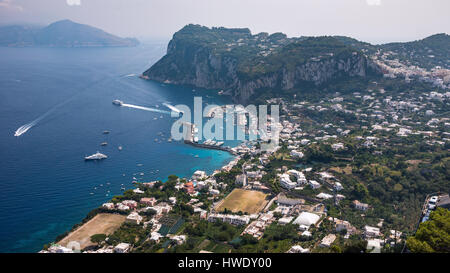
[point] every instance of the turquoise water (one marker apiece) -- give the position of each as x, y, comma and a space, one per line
45, 185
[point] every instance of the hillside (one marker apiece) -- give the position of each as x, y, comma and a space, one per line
427, 53
241, 63
61, 34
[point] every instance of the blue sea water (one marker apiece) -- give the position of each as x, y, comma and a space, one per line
45, 185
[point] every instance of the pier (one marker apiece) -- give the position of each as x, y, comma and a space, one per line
190, 139
213, 147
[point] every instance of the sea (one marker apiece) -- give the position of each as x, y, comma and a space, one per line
59, 102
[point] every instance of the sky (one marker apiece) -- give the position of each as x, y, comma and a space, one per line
375, 21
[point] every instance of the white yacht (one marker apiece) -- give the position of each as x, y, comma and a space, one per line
96, 156
117, 102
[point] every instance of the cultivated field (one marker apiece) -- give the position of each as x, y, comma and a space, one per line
243, 200
102, 223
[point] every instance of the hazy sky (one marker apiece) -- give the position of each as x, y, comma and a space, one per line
369, 20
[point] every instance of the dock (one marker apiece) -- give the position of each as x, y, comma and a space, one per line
190, 139
212, 147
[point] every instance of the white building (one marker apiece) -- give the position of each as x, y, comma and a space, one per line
324, 196
301, 179
285, 220
327, 240
199, 175
179, 239
360, 206
338, 186
214, 192
298, 249
108, 205
371, 232
305, 141
337, 147
374, 245
122, 207
155, 236
241, 180
122, 248
229, 218
297, 154
307, 219
58, 249
314, 184
173, 200
285, 182
134, 218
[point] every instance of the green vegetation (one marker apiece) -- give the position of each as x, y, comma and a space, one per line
428, 53
129, 233
432, 235
98, 238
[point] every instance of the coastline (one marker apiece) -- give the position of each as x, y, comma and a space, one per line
94, 212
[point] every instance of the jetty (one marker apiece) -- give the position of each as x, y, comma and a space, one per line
213, 147
191, 139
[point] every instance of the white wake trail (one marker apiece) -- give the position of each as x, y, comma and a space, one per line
24, 128
173, 108
145, 108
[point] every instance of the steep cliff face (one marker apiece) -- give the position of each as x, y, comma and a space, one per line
188, 64
240, 63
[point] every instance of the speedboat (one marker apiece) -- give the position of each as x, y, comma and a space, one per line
96, 156
104, 143
117, 102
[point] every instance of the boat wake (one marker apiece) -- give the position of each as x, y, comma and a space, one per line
24, 128
173, 108
145, 108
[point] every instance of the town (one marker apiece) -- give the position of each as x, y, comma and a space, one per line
351, 174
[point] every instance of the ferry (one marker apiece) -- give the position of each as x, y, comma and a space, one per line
117, 102
96, 156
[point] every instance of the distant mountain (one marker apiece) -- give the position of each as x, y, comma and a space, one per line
61, 34
241, 63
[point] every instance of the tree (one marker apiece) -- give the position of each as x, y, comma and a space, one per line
355, 244
432, 235
98, 238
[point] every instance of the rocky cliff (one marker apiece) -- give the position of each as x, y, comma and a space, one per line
240, 63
